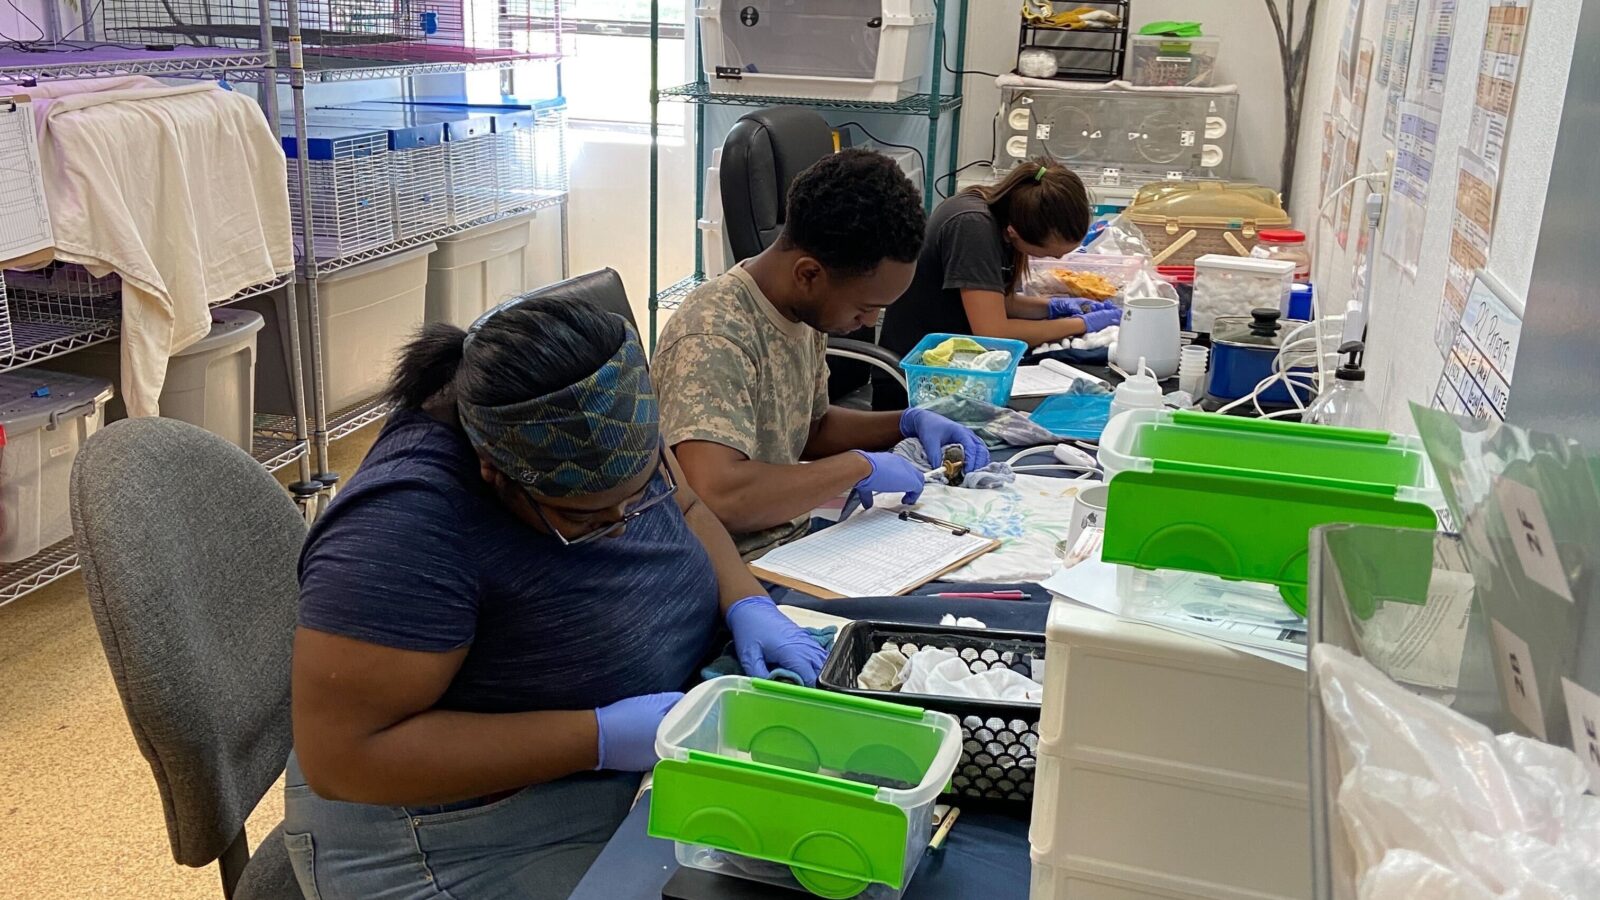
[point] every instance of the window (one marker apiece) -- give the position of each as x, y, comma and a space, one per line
606, 75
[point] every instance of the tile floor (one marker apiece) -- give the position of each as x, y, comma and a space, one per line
79, 812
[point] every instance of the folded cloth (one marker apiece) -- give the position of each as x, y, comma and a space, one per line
179, 190
994, 475
728, 662
883, 671
943, 673
944, 353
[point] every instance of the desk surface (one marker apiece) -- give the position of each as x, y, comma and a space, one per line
986, 855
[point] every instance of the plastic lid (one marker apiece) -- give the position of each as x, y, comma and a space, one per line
31, 399
1281, 236
1252, 330
1208, 200
1283, 268
228, 326
1177, 274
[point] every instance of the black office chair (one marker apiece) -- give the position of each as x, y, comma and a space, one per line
602, 287
761, 157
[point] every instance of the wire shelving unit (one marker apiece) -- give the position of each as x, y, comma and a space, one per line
942, 100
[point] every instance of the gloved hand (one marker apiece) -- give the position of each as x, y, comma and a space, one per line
763, 637
890, 474
627, 731
1100, 319
1064, 307
935, 431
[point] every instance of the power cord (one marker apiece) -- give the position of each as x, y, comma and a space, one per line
944, 60
921, 160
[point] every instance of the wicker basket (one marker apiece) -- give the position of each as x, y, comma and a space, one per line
1202, 217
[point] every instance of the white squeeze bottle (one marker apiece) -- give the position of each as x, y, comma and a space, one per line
1140, 390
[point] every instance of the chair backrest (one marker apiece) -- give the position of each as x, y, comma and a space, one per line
603, 288
189, 552
764, 152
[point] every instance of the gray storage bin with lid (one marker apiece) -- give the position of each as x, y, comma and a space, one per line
46, 417
210, 383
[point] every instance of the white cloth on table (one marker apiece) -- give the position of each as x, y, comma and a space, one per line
179, 190
943, 673
1029, 517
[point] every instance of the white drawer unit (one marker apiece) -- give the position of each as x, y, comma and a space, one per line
1169, 767
1113, 137
827, 49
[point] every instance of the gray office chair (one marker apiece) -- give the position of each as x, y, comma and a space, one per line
763, 154
189, 551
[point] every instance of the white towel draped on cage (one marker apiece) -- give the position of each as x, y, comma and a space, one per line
179, 190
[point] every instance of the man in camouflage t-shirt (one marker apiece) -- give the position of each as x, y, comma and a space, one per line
741, 372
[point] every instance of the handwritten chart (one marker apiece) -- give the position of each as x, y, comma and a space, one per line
1476, 381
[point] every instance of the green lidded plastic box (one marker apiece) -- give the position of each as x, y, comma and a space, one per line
1238, 497
799, 787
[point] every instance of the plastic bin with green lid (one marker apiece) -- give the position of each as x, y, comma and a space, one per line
801, 788
1238, 497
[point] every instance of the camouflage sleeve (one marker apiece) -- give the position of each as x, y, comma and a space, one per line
819, 400
705, 386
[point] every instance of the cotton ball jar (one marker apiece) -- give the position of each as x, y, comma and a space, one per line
1036, 64
1235, 285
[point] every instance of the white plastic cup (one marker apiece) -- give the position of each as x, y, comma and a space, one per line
1088, 511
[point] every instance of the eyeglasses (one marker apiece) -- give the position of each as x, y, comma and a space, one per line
628, 515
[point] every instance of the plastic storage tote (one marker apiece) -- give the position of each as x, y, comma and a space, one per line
1170, 766
925, 384
368, 312
1122, 137
210, 383
998, 737
45, 417
1161, 61
835, 49
801, 788
471, 273
1237, 497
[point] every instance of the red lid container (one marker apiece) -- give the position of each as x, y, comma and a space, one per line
1281, 236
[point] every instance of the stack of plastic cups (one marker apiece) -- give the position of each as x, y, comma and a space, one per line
1192, 370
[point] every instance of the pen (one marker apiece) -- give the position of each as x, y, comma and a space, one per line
984, 595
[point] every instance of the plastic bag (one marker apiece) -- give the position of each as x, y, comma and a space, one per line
1120, 237
1434, 805
1147, 283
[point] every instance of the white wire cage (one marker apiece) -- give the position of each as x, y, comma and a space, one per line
472, 165
532, 163
55, 308
8, 342
352, 203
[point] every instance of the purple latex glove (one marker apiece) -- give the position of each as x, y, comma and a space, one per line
890, 474
935, 432
1066, 307
1101, 319
627, 731
763, 637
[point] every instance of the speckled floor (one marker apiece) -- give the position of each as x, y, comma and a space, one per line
79, 813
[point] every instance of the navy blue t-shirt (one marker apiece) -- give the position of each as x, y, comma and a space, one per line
417, 554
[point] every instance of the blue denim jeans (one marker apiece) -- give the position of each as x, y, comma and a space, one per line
536, 843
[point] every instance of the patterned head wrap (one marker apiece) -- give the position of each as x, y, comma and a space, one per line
585, 438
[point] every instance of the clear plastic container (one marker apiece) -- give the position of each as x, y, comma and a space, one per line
801, 788
1118, 270
1160, 61
925, 384
1236, 285
1285, 243
45, 417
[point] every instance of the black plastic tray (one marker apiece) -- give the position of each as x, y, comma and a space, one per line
999, 738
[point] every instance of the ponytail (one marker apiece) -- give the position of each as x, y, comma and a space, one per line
427, 366
1040, 199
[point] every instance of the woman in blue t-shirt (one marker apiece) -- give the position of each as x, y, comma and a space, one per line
497, 612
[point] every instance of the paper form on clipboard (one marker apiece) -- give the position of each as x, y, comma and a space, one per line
877, 552
24, 217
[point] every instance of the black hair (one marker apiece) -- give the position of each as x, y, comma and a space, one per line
524, 351
853, 209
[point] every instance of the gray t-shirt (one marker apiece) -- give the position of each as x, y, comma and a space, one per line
730, 369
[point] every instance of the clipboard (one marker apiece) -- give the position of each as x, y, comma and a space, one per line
878, 552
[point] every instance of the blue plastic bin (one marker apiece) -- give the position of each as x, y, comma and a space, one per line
925, 384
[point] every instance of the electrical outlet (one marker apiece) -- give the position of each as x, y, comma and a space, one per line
1386, 187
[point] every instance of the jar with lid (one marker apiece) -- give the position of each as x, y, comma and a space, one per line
1285, 243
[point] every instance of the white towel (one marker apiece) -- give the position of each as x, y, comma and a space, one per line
179, 190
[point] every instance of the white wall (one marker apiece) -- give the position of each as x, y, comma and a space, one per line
1403, 363
1249, 59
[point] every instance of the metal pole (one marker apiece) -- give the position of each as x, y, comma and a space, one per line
960, 93
309, 485
655, 133
930, 177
